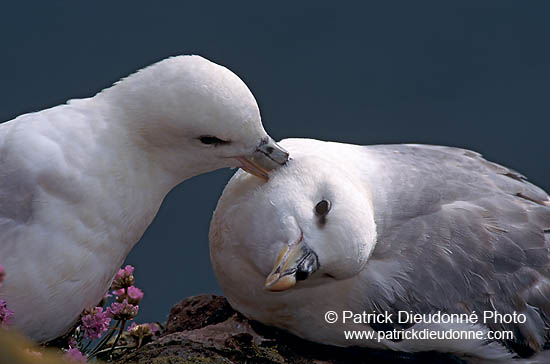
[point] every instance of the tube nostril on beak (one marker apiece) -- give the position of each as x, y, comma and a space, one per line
301, 275
308, 265
273, 152
267, 157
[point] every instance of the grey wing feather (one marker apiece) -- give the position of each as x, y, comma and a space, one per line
470, 235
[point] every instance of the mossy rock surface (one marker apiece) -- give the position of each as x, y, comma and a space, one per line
205, 329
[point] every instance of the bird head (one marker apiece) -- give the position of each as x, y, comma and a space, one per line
312, 222
194, 116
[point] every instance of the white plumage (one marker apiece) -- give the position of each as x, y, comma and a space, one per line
387, 228
80, 183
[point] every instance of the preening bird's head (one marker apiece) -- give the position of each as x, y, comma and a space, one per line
195, 116
312, 222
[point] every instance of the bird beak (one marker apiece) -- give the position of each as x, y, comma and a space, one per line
296, 262
267, 156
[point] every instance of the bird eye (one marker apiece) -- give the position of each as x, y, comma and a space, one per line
322, 208
208, 139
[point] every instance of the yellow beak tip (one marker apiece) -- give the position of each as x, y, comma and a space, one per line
276, 283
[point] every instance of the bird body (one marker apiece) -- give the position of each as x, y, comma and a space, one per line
382, 229
80, 183
71, 208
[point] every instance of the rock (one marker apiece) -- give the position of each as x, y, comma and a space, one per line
205, 329
198, 311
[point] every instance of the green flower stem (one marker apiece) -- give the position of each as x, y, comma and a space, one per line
86, 347
104, 340
115, 348
117, 337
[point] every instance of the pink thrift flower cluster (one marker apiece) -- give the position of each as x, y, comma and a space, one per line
127, 296
74, 355
132, 294
95, 323
123, 310
124, 278
5, 312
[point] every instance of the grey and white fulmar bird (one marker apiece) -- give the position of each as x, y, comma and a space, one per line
80, 183
388, 228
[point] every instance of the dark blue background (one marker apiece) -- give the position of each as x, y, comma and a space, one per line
474, 74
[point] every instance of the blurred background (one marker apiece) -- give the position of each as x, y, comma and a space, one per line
474, 74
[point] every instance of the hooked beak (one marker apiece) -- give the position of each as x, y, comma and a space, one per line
296, 262
267, 156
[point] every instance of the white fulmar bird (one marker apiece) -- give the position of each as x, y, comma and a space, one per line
388, 228
80, 183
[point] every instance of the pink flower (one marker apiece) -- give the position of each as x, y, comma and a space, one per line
132, 326
72, 343
122, 310
134, 295
74, 355
5, 314
124, 278
95, 323
2, 274
119, 292
127, 271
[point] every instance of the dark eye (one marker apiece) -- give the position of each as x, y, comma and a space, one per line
207, 139
322, 208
